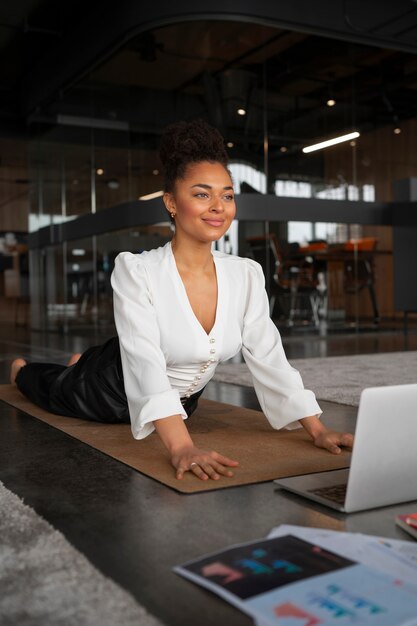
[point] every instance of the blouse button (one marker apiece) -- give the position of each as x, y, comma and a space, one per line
212, 351
212, 340
187, 395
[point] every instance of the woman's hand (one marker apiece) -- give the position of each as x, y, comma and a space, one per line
185, 456
323, 437
204, 464
332, 441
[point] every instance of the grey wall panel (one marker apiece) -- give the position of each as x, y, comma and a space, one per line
405, 257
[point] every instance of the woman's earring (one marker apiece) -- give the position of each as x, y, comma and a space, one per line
172, 215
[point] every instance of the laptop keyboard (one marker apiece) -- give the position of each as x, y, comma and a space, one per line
335, 493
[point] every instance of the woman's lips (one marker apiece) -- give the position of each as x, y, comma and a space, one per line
214, 222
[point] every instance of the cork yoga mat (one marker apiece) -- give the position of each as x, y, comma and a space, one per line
241, 434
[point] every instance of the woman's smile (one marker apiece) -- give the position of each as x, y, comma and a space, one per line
212, 221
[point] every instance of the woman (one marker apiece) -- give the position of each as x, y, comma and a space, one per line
179, 310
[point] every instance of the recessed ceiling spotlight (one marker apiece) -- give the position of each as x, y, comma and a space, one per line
99, 171
331, 102
241, 111
283, 149
230, 144
397, 130
353, 144
155, 172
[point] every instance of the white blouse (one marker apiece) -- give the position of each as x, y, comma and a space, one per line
167, 355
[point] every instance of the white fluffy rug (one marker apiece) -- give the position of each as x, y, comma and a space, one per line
44, 581
339, 378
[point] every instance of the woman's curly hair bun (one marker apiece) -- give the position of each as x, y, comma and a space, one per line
184, 143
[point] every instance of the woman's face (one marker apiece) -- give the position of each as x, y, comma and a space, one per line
203, 202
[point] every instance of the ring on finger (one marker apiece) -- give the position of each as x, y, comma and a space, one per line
193, 465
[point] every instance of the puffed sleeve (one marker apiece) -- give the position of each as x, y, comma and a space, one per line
278, 385
148, 390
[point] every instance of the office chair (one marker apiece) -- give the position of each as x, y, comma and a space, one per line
293, 279
359, 274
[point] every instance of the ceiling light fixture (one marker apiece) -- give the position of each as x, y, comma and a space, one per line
331, 142
230, 144
155, 172
331, 102
283, 149
397, 130
151, 196
99, 171
241, 111
91, 122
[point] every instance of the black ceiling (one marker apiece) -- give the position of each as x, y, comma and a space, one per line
53, 55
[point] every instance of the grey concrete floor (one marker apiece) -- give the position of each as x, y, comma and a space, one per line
134, 529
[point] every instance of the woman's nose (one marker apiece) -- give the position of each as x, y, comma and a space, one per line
217, 205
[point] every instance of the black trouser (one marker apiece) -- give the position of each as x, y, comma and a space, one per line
92, 389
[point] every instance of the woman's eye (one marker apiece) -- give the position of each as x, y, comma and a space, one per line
201, 194
229, 197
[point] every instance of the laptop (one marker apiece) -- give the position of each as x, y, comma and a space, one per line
383, 468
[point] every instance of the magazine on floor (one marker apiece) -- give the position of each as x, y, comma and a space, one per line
393, 556
289, 581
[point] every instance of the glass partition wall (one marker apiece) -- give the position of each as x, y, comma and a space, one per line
271, 92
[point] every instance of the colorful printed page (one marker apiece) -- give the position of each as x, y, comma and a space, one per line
393, 556
287, 581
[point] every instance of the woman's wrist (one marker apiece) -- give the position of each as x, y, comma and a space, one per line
313, 426
173, 433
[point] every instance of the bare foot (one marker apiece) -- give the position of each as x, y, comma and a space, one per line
73, 360
15, 367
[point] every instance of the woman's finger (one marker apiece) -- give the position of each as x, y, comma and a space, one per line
224, 460
328, 443
347, 440
210, 471
198, 471
333, 447
221, 469
206, 465
341, 439
215, 468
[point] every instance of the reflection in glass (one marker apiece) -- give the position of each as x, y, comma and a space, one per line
97, 148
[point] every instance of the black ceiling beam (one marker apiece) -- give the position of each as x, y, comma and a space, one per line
108, 26
251, 207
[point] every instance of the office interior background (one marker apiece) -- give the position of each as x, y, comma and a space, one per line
87, 91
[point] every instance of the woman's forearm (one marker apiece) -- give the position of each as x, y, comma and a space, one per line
173, 433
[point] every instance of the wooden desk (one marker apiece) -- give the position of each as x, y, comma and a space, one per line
347, 273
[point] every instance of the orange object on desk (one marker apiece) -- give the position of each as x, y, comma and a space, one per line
365, 243
313, 247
